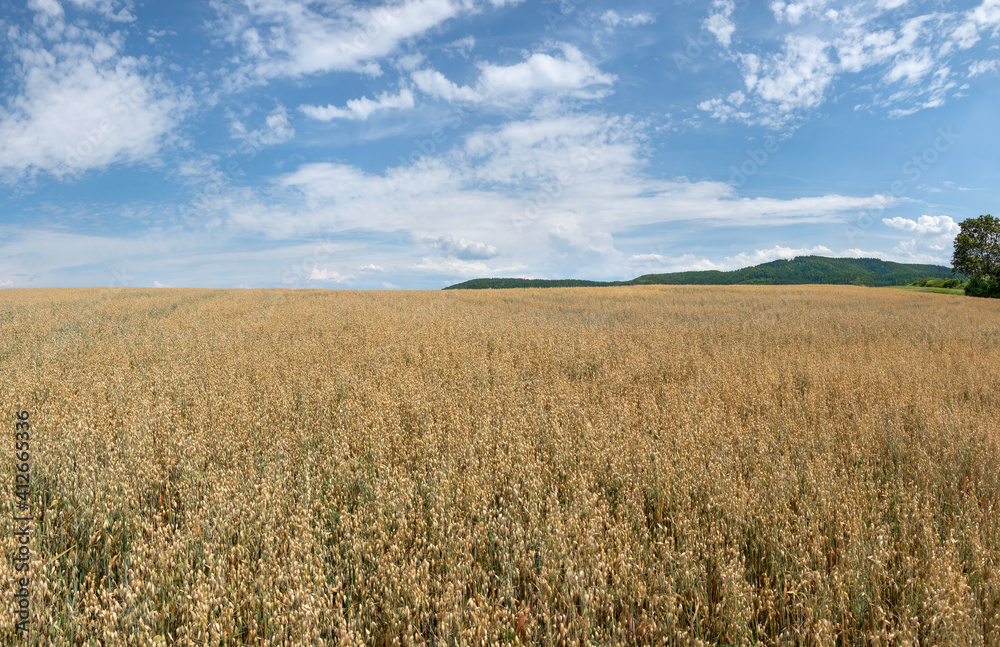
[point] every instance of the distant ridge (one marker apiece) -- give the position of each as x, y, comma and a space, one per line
802, 270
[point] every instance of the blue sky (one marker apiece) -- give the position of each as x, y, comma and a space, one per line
417, 143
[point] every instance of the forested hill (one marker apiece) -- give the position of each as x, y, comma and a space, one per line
872, 272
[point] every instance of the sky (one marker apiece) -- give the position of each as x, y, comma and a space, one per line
413, 144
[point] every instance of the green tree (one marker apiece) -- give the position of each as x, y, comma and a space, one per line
977, 254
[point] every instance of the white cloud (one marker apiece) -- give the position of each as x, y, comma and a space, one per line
454, 266
793, 80
463, 46
298, 37
114, 10
436, 84
908, 59
720, 21
759, 256
157, 284
330, 276
855, 252
985, 17
467, 250
935, 238
6, 283
780, 86
659, 263
371, 267
277, 129
361, 109
567, 73
925, 225
612, 19
793, 12
551, 193
50, 8
977, 68
543, 73
911, 69
81, 104
728, 108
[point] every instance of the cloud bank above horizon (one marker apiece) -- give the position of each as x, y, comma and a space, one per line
418, 143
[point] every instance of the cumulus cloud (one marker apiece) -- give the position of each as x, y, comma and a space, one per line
563, 72
720, 21
796, 78
976, 21
82, 104
114, 10
925, 225
47, 9
935, 236
437, 84
793, 12
856, 252
50, 13
361, 109
552, 193
466, 250
277, 129
329, 276
759, 256
613, 19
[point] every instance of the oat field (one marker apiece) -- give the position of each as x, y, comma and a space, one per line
617, 466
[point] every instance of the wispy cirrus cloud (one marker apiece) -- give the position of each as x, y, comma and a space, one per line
298, 38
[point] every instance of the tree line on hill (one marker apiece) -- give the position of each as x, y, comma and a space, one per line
975, 269
871, 272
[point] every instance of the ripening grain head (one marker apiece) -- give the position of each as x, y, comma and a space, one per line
649, 465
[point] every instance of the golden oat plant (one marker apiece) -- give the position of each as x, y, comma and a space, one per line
618, 466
